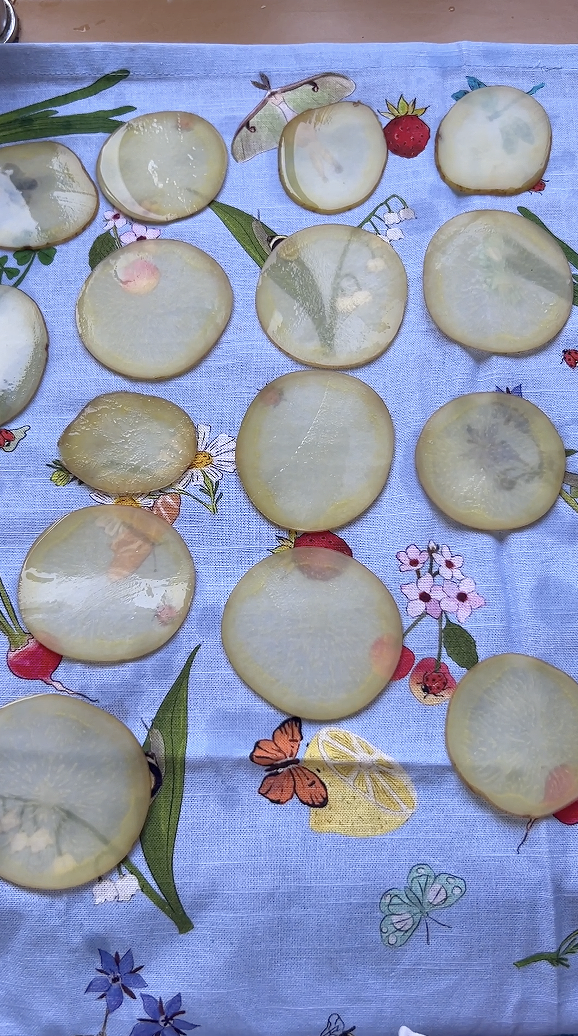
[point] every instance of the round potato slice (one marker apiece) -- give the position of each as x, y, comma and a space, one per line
332, 158
46, 195
491, 461
493, 141
332, 296
162, 166
76, 789
23, 351
153, 309
106, 584
317, 637
314, 449
512, 734
497, 282
125, 442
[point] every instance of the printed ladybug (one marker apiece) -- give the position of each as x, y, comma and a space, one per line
538, 187
570, 357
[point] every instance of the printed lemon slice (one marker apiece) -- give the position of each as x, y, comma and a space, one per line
74, 791
512, 734
369, 794
332, 296
493, 141
126, 442
497, 282
491, 461
332, 158
23, 351
154, 308
162, 166
46, 195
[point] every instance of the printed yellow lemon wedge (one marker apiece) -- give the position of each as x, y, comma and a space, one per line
23, 351
493, 141
491, 461
46, 195
332, 296
75, 789
162, 166
369, 794
512, 734
495, 281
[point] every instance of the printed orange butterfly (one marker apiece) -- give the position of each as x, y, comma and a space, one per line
286, 776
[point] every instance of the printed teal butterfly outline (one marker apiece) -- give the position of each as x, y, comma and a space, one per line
405, 909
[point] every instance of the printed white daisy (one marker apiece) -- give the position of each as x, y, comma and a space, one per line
214, 458
138, 500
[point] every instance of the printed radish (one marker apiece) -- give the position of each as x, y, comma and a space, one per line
407, 134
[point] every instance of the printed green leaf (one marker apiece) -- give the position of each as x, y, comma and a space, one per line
102, 246
104, 83
160, 831
575, 294
11, 272
570, 254
46, 256
570, 453
459, 645
240, 225
23, 256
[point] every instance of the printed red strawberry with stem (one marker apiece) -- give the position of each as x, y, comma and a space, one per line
406, 134
26, 657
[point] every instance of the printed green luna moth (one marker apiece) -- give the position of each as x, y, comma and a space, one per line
262, 128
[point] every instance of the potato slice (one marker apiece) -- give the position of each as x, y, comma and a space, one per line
316, 640
332, 158
153, 309
495, 281
332, 296
162, 166
106, 584
512, 734
23, 351
314, 449
495, 140
125, 442
76, 790
491, 461
46, 195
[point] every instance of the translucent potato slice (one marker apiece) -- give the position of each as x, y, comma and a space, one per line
46, 195
106, 584
332, 296
162, 166
154, 308
75, 791
332, 158
493, 141
512, 734
315, 641
23, 351
490, 461
125, 442
497, 282
314, 449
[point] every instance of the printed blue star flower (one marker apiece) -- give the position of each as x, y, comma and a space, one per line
116, 977
162, 1020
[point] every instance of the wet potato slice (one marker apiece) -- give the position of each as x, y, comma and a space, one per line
332, 296
491, 461
162, 166
46, 195
23, 351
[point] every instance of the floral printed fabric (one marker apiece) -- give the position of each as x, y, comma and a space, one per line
402, 901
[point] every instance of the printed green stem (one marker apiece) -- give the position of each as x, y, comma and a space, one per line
182, 922
569, 500
414, 624
212, 493
104, 1023
550, 958
25, 270
116, 236
440, 643
17, 636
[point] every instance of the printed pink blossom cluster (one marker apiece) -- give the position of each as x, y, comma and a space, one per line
440, 584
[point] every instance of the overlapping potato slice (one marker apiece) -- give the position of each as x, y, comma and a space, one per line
497, 282
153, 309
314, 449
512, 734
332, 296
126, 442
316, 637
162, 166
332, 158
495, 140
46, 195
491, 461
23, 350
74, 791
106, 584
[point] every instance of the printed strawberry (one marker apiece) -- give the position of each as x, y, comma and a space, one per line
407, 134
323, 539
321, 566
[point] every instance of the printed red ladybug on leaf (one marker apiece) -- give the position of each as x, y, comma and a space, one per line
406, 134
